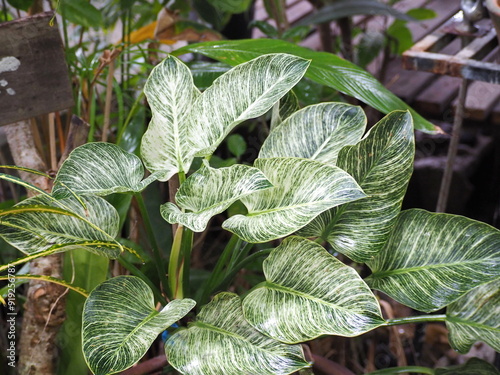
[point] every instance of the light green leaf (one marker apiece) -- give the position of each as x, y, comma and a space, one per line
120, 323
302, 190
245, 92
100, 169
36, 231
284, 108
81, 12
475, 317
382, 164
211, 191
431, 260
326, 69
309, 293
171, 94
474, 366
222, 342
316, 132
236, 145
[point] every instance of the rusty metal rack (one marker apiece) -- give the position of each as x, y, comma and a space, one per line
472, 61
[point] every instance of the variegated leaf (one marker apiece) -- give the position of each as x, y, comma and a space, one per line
221, 341
302, 190
431, 260
382, 164
211, 191
316, 132
171, 93
284, 108
245, 92
309, 293
36, 231
475, 317
100, 169
120, 323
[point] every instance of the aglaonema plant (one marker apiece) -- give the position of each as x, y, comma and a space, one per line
321, 185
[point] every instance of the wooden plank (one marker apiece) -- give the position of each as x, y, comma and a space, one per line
482, 97
437, 97
34, 78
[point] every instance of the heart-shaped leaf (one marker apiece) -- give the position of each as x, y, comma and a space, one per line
475, 317
302, 190
100, 169
382, 164
245, 92
222, 342
316, 132
431, 260
171, 93
36, 231
120, 323
309, 293
211, 191
326, 69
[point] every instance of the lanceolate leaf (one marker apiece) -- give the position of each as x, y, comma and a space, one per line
431, 260
316, 132
474, 366
35, 231
222, 342
211, 191
171, 94
302, 190
309, 293
349, 8
382, 164
326, 69
231, 6
246, 91
475, 317
120, 323
100, 169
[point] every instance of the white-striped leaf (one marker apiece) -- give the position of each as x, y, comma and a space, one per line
36, 231
382, 164
100, 169
475, 317
120, 323
211, 191
171, 93
309, 293
431, 260
302, 190
222, 342
316, 132
284, 108
245, 92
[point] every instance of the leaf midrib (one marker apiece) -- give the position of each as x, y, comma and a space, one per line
460, 322
382, 274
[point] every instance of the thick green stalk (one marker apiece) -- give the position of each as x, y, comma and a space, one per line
180, 261
416, 319
152, 240
404, 370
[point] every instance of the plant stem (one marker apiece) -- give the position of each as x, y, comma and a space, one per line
234, 270
403, 370
152, 240
216, 275
129, 117
416, 319
180, 260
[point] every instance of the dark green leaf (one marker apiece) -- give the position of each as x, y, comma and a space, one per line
474, 366
81, 12
325, 68
236, 144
